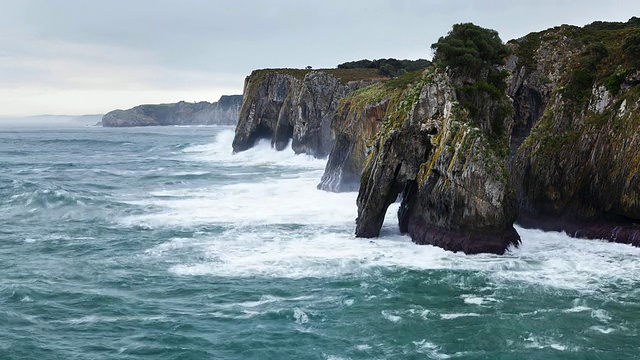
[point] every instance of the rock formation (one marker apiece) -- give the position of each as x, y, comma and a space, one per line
574, 145
223, 112
576, 166
550, 138
285, 105
447, 167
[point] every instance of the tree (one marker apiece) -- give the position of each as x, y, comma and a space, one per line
469, 49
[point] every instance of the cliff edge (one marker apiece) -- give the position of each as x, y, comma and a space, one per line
295, 105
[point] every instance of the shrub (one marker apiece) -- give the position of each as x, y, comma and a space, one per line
631, 48
470, 49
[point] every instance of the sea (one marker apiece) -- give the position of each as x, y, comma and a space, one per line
160, 243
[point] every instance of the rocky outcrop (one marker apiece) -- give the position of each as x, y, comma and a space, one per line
285, 105
356, 123
448, 168
576, 166
556, 145
223, 112
573, 157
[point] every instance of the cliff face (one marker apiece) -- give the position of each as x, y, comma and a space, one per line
356, 122
223, 112
572, 162
550, 139
448, 167
576, 166
295, 105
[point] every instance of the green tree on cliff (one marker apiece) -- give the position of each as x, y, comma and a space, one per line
471, 53
470, 49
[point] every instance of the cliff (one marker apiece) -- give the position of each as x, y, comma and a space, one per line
223, 112
285, 105
543, 131
447, 166
561, 153
576, 163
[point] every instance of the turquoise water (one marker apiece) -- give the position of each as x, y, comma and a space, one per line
158, 243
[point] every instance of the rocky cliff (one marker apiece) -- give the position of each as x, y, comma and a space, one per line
576, 163
223, 112
548, 136
448, 167
285, 105
573, 158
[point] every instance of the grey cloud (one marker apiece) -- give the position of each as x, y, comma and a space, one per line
168, 43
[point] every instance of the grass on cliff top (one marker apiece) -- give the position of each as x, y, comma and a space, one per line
345, 75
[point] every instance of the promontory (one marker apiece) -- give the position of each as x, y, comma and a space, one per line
223, 112
543, 131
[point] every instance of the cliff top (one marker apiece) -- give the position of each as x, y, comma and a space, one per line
345, 75
593, 52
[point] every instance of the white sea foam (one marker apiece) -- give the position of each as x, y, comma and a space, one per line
533, 342
390, 316
219, 152
282, 226
478, 300
92, 319
300, 316
430, 349
458, 315
602, 330
577, 309
601, 315
283, 201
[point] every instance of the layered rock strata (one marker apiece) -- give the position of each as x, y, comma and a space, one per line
285, 105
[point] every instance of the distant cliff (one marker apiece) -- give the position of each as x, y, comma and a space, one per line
223, 112
294, 105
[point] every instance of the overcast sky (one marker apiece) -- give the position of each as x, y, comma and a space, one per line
92, 56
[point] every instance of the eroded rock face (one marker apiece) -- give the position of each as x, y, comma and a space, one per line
223, 112
353, 127
576, 166
452, 182
286, 106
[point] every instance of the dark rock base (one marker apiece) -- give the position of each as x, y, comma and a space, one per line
615, 229
469, 242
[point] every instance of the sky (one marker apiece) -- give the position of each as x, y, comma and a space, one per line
92, 56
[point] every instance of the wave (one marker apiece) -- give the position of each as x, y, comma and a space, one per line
582, 267
279, 225
262, 154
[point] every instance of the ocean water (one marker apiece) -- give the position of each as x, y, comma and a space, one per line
159, 243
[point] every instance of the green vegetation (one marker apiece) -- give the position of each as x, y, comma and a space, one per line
525, 50
614, 81
401, 82
631, 48
472, 53
387, 67
470, 48
607, 52
345, 75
